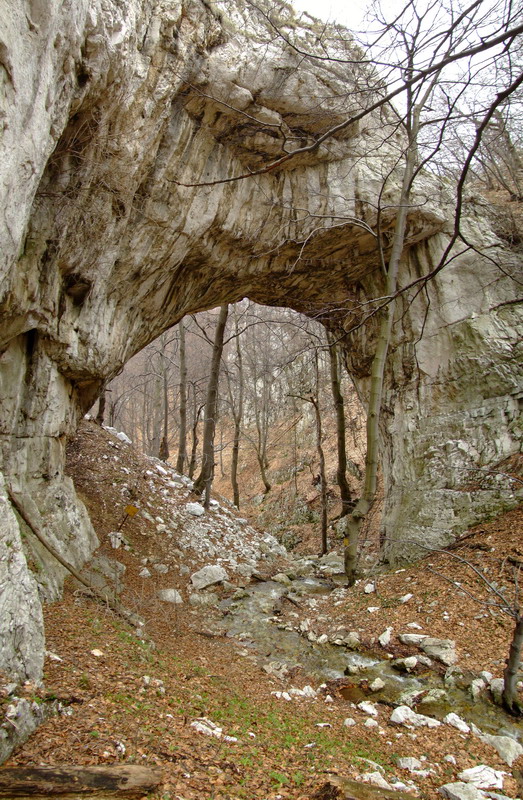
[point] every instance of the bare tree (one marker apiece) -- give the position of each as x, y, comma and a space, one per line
339, 407
182, 407
204, 479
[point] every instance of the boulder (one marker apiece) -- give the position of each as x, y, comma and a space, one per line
208, 576
483, 777
443, 650
508, 749
403, 715
195, 509
461, 791
456, 722
170, 596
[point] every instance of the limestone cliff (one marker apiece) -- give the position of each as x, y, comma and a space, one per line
112, 111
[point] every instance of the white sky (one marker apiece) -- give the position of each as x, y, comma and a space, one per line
347, 12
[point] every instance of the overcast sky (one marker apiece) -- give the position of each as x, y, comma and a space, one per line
349, 13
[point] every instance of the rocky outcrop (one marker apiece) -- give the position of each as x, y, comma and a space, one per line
115, 114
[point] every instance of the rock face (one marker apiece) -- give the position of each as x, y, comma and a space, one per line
111, 112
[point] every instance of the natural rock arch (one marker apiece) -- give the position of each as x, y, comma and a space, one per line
110, 108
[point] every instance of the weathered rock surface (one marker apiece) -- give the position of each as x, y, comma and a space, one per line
111, 113
209, 575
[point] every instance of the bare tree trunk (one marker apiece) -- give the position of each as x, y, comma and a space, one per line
164, 444
364, 504
182, 436
197, 410
237, 413
262, 463
207, 470
341, 470
323, 477
510, 675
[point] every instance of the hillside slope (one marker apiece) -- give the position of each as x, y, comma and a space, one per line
132, 696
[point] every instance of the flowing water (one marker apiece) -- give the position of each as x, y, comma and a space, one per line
252, 617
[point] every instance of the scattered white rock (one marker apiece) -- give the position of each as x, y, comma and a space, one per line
372, 609
369, 588
370, 723
323, 724
144, 573
116, 539
461, 791
409, 763
450, 759
52, 656
507, 748
384, 638
196, 509
483, 777
443, 650
279, 669
97, 653
163, 569
205, 726
282, 696
412, 638
410, 662
376, 685
477, 686
170, 596
208, 576
496, 687
307, 691
349, 722
403, 715
368, 708
406, 597
375, 779
456, 722
414, 625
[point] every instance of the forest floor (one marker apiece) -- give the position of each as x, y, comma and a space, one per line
131, 700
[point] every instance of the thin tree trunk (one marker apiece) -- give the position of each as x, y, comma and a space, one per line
164, 444
339, 406
262, 461
207, 470
323, 477
182, 436
237, 416
364, 504
510, 675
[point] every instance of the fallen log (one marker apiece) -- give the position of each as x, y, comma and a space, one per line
77, 783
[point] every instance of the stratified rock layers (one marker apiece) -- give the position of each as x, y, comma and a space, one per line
110, 110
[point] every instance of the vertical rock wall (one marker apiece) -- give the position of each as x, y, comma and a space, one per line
113, 112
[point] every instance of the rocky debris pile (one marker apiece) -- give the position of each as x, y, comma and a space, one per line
227, 543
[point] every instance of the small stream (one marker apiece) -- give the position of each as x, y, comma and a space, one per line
252, 616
